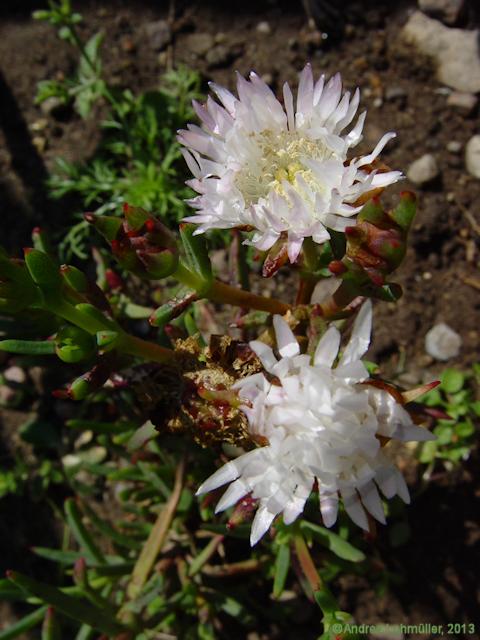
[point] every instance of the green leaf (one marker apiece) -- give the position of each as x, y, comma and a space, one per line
68, 605
74, 519
90, 63
196, 251
326, 601
332, 541
429, 451
51, 628
141, 436
452, 380
56, 555
282, 565
42, 268
29, 347
113, 428
24, 625
465, 429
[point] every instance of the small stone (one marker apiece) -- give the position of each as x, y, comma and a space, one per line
395, 94
220, 37
423, 170
454, 146
448, 11
53, 106
15, 374
454, 51
377, 103
39, 125
264, 28
442, 342
472, 156
162, 58
268, 79
199, 43
219, 56
39, 143
158, 34
463, 102
8, 396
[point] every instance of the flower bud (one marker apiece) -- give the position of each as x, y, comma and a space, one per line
140, 243
376, 246
74, 344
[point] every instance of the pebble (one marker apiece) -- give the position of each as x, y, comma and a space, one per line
39, 143
442, 342
472, 156
199, 43
454, 51
39, 125
395, 94
158, 34
454, 146
264, 28
8, 396
53, 106
448, 11
423, 170
464, 102
15, 374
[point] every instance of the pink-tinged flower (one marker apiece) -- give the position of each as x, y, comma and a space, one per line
322, 423
281, 170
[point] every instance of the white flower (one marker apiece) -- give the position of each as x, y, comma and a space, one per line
280, 169
322, 424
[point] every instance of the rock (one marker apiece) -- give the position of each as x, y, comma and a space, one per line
423, 170
448, 11
442, 342
454, 146
15, 374
219, 56
454, 51
40, 143
54, 107
463, 102
472, 156
264, 28
158, 34
395, 94
199, 43
8, 397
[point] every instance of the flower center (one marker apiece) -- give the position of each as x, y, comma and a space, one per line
274, 158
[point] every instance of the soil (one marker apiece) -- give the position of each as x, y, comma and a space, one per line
440, 276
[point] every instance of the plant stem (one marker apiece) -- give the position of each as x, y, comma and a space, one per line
307, 279
306, 563
223, 293
145, 349
127, 343
157, 536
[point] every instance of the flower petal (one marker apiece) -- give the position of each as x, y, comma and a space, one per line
286, 342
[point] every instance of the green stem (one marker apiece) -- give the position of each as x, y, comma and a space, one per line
223, 293
128, 344
145, 349
156, 538
307, 279
306, 563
